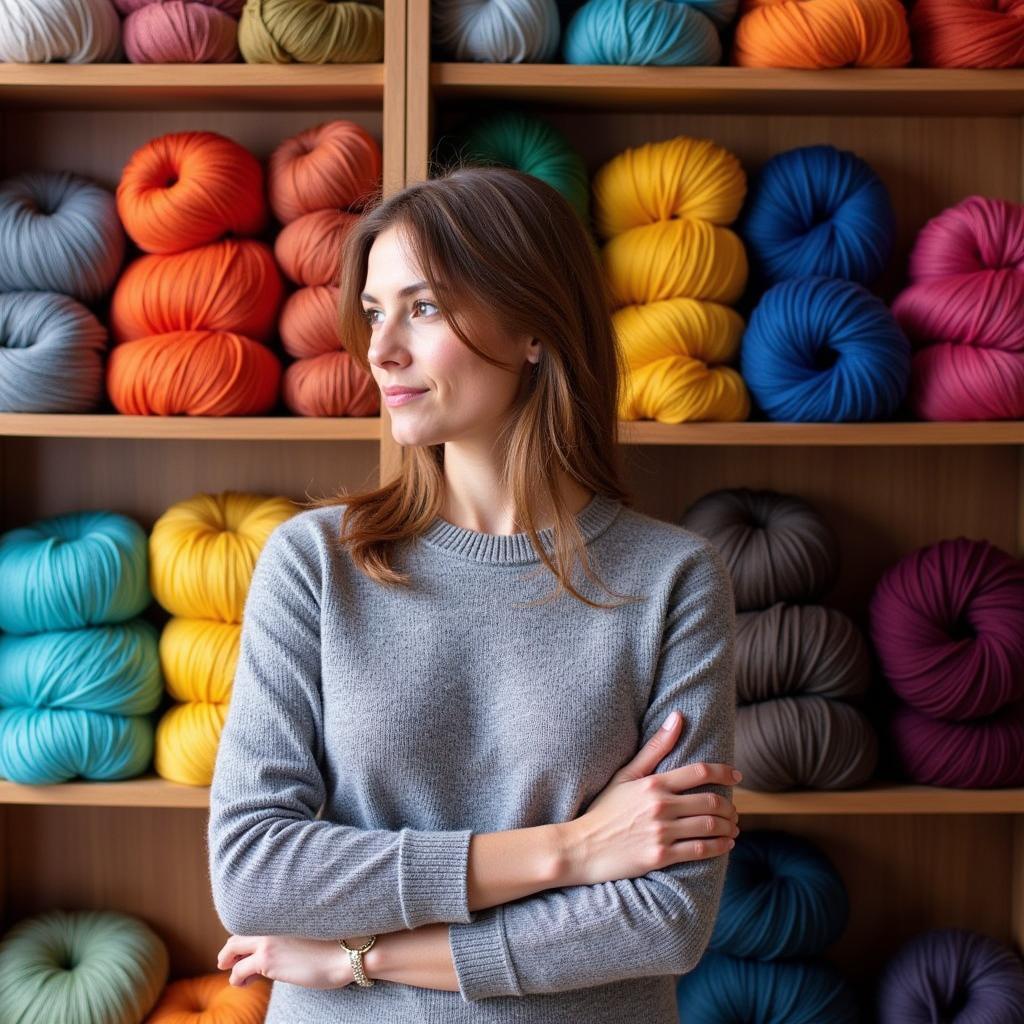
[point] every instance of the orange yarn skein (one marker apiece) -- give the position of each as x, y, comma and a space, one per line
822, 34
189, 188
212, 999
321, 385
309, 247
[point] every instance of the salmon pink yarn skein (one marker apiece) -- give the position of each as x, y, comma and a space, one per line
968, 33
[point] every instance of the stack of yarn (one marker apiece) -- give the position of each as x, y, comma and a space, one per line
61, 247
202, 553
961, 313
189, 319
819, 226
782, 905
311, 32
180, 31
69, 31
79, 671
641, 32
797, 664
672, 267
531, 145
952, 974
822, 34
318, 181
947, 623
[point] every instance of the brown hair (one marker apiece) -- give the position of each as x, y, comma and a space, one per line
498, 242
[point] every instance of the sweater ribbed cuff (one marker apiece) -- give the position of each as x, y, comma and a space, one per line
432, 876
481, 957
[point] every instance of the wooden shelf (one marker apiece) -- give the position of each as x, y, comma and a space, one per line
300, 428
862, 91
884, 798
191, 86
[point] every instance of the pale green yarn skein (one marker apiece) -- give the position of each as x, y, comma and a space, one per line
81, 967
311, 32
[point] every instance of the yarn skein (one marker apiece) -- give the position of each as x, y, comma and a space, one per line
822, 34
82, 967
59, 232
210, 999
951, 974
69, 31
967, 34
519, 31
961, 313
311, 32
782, 898
51, 354
180, 32
655, 33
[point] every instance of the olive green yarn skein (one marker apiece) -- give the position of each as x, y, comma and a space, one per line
311, 32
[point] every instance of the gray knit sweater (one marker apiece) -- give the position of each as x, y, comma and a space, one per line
371, 731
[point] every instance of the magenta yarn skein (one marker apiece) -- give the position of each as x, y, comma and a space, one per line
961, 313
947, 622
985, 753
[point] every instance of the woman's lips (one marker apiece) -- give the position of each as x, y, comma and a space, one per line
402, 398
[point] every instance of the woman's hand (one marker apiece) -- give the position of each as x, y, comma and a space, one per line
312, 963
642, 822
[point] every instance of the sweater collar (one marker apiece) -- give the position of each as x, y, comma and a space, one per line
516, 548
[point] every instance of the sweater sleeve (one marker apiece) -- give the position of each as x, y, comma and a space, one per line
660, 923
275, 868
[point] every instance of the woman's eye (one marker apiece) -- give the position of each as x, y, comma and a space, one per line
424, 302
369, 314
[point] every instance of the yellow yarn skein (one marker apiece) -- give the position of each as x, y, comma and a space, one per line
202, 552
311, 32
680, 177
675, 258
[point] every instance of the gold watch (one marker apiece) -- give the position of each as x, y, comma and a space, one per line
355, 958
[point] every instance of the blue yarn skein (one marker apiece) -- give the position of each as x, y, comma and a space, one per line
731, 990
782, 898
73, 570
44, 746
818, 211
115, 669
647, 32
819, 349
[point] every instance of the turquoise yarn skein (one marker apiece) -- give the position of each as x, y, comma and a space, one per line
81, 967
72, 570
51, 354
59, 232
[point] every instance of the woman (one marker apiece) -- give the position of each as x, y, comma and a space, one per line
429, 750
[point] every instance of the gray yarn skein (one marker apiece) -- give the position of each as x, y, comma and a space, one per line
51, 354
807, 741
499, 31
59, 232
73, 31
777, 546
797, 649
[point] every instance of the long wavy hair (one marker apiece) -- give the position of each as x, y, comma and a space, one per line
500, 242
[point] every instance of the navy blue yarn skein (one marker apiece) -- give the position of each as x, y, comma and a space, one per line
818, 211
782, 898
725, 989
818, 349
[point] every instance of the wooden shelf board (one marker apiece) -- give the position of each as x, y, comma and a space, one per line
300, 428
864, 91
883, 798
191, 86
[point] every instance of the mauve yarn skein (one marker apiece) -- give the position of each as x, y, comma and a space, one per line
180, 32
51, 354
782, 898
810, 742
777, 546
947, 622
979, 754
59, 232
787, 650
952, 974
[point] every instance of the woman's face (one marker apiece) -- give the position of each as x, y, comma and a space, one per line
463, 397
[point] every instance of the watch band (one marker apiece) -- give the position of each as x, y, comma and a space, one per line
355, 958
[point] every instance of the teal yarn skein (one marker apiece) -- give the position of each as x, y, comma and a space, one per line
113, 669
59, 232
531, 145
51, 354
81, 967
72, 570
45, 746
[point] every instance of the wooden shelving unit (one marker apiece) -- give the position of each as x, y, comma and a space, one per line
912, 856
